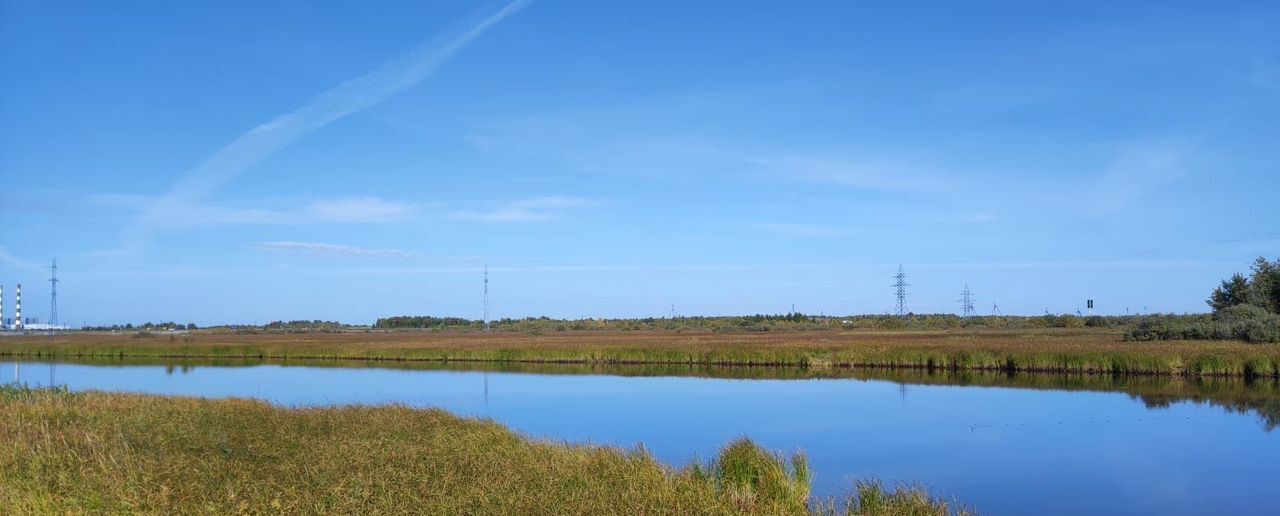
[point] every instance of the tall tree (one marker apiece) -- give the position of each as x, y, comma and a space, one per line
1264, 285
1234, 291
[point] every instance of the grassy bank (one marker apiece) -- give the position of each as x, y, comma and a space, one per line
1044, 350
120, 453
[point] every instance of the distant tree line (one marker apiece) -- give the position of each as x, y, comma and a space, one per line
147, 326
755, 323
304, 326
426, 322
273, 326
1244, 308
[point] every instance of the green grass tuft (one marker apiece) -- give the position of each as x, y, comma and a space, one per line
872, 499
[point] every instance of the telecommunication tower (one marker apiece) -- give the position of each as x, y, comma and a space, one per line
900, 286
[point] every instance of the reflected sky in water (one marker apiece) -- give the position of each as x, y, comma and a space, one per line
1003, 450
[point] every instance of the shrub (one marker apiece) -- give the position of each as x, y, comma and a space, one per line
1241, 312
1265, 329
1241, 322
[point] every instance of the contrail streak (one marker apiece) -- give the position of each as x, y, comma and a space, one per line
350, 97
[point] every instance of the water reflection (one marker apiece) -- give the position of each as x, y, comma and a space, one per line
1007, 443
1258, 396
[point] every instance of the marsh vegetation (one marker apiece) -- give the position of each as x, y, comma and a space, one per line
122, 453
1078, 351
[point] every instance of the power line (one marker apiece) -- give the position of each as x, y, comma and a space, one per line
901, 289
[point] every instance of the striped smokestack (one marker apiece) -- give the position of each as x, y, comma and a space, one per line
17, 309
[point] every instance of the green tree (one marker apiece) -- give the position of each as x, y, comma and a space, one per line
1264, 285
1232, 292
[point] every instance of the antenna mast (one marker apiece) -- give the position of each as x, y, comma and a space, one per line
901, 288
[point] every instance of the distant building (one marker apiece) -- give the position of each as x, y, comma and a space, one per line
45, 327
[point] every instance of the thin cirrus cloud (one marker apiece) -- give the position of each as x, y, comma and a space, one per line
350, 210
537, 209
645, 140
318, 248
804, 230
10, 261
1138, 171
267, 139
343, 209
362, 209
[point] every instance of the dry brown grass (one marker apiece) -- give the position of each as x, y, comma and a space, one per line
98, 453
1062, 350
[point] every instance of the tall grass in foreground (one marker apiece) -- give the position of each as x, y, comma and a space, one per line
122, 453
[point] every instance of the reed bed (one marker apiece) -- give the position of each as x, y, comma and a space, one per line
100, 453
1077, 351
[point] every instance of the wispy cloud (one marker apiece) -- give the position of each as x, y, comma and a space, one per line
883, 268
851, 173
355, 210
649, 139
361, 209
1136, 172
348, 210
537, 209
332, 250
804, 230
265, 140
8, 260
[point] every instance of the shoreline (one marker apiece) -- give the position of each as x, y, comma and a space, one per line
1038, 351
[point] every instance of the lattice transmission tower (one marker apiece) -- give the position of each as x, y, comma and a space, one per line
486, 298
53, 294
900, 287
966, 302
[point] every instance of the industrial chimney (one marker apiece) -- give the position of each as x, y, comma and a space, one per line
17, 309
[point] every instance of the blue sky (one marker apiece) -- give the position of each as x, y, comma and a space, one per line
246, 162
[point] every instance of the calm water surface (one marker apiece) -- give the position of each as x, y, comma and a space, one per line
1020, 445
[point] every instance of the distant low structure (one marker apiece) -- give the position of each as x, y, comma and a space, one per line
23, 324
44, 327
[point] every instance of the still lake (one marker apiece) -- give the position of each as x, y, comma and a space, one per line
1027, 444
